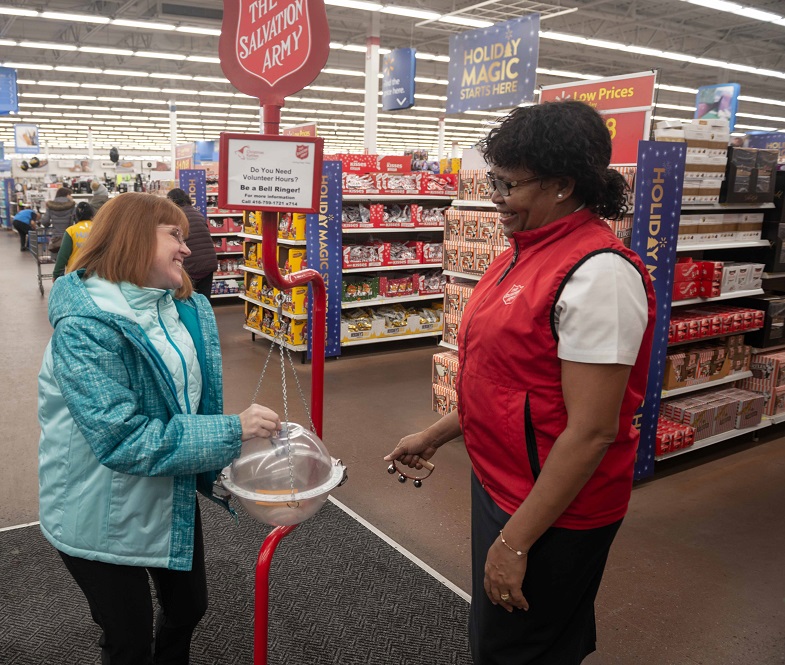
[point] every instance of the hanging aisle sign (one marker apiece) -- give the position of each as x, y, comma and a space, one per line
718, 102
493, 68
9, 99
323, 231
398, 72
194, 183
26, 139
655, 231
625, 103
266, 172
270, 49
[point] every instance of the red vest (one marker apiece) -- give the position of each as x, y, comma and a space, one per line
509, 386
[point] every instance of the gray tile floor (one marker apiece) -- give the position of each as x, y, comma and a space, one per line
697, 573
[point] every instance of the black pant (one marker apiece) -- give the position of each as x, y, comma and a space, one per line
121, 604
563, 574
203, 285
23, 230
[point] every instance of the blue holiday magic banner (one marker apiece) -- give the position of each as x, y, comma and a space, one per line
655, 232
398, 71
194, 183
495, 67
9, 99
324, 252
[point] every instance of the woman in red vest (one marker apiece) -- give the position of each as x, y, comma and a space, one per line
554, 349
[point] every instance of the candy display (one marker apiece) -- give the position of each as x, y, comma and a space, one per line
224, 287
768, 379
360, 287
696, 364
710, 321
672, 436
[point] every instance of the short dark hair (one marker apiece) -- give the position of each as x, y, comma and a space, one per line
179, 197
561, 139
64, 191
84, 211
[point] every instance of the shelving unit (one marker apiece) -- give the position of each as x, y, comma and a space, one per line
416, 266
281, 241
374, 231
465, 203
462, 275
389, 301
721, 245
717, 438
392, 338
273, 308
258, 333
731, 378
710, 337
724, 296
225, 258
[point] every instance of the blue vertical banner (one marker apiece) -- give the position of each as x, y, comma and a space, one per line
495, 67
718, 102
194, 183
323, 237
655, 233
399, 68
9, 97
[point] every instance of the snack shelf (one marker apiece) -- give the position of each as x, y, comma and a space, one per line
415, 266
224, 214
447, 345
722, 245
224, 295
224, 233
775, 419
724, 296
773, 275
717, 438
735, 376
727, 206
291, 347
465, 203
463, 275
228, 253
408, 229
281, 241
392, 338
272, 308
255, 271
768, 349
229, 276
703, 339
389, 301
377, 198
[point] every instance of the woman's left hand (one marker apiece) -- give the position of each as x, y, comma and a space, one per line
504, 573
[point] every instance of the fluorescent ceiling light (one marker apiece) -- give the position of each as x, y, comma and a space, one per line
203, 58
570, 75
20, 65
216, 93
423, 79
211, 79
84, 98
7, 42
174, 77
140, 88
410, 11
745, 98
456, 19
150, 25
15, 11
343, 72
62, 84
80, 18
179, 91
162, 56
676, 88
106, 51
48, 45
355, 4
79, 70
431, 56
198, 31
674, 107
126, 72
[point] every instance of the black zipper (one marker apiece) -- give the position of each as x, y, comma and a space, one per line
512, 263
531, 440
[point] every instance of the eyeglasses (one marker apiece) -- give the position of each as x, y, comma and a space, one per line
503, 186
175, 232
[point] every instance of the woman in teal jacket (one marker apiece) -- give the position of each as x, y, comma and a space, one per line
130, 407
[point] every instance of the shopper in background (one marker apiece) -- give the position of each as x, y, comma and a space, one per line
203, 261
100, 195
554, 351
74, 238
130, 408
59, 215
23, 222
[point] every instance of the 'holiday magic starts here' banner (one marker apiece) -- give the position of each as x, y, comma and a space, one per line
493, 68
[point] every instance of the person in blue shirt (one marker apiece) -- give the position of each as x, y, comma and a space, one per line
24, 221
130, 403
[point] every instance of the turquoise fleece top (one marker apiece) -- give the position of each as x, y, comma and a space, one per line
120, 456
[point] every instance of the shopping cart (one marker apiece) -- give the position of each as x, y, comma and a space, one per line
38, 244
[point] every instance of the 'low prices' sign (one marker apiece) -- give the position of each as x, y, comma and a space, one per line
264, 172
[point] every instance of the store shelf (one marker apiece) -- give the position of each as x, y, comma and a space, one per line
389, 301
420, 266
408, 229
229, 276
224, 295
463, 203
704, 443
281, 241
769, 349
377, 198
735, 376
724, 296
224, 214
273, 308
703, 339
773, 275
255, 271
217, 235
776, 419
447, 345
393, 338
462, 275
726, 206
228, 253
291, 347
722, 245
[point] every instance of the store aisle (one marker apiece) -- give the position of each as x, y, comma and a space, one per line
695, 576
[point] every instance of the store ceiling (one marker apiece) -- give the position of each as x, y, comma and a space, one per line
125, 99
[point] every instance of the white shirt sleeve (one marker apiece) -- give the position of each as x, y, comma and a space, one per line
602, 312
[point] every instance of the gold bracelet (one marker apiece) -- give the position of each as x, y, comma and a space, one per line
512, 549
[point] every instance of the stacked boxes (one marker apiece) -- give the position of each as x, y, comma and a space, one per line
389, 321
696, 229
672, 436
455, 298
768, 379
472, 240
693, 365
473, 185
376, 253
711, 321
443, 380
741, 276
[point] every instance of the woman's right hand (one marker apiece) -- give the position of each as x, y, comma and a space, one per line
412, 449
258, 420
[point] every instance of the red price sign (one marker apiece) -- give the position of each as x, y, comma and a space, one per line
626, 129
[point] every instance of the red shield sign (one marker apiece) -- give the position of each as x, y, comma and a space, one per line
301, 151
273, 48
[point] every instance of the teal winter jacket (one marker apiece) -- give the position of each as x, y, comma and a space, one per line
119, 460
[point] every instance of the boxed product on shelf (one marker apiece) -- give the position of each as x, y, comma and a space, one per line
291, 259
224, 286
357, 163
439, 184
456, 296
473, 185
294, 300
392, 320
772, 308
444, 369
253, 316
444, 400
391, 216
366, 255
217, 224
252, 222
672, 436
219, 244
741, 276
427, 318
404, 253
357, 324
428, 216
356, 216
291, 226
395, 285
234, 244
254, 284
710, 321
451, 323
430, 282
359, 183
749, 176
360, 287
399, 184
253, 254
432, 252
294, 331
228, 267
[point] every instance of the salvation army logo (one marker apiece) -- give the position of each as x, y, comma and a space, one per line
248, 154
302, 151
512, 294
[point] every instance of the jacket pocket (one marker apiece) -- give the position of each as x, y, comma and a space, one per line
531, 440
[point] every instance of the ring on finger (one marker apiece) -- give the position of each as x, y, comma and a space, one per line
505, 597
